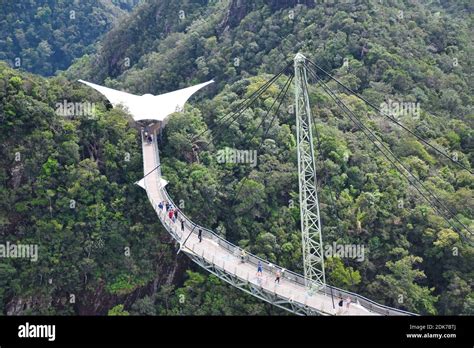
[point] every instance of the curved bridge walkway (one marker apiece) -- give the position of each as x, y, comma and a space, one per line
222, 258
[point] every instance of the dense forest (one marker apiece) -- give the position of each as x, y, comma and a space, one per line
68, 183
46, 36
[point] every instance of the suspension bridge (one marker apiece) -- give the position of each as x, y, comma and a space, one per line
307, 294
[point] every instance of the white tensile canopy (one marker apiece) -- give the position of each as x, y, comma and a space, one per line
161, 183
148, 106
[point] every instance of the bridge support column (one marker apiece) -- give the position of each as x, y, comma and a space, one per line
313, 260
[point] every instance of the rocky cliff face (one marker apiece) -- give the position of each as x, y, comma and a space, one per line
238, 9
97, 301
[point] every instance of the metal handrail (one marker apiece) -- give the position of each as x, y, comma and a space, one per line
288, 274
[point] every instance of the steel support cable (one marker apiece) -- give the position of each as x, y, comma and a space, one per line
320, 157
261, 123
389, 117
360, 124
151, 171
380, 140
245, 103
264, 118
239, 114
334, 209
241, 108
453, 215
284, 91
362, 127
189, 235
287, 84
315, 128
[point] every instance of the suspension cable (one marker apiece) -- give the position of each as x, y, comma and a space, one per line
284, 91
320, 158
240, 113
361, 126
234, 115
389, 117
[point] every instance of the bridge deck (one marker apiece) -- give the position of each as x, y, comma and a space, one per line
216, 252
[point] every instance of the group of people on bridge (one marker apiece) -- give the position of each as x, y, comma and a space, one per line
173, 214
278, 272
148, 137
147, 134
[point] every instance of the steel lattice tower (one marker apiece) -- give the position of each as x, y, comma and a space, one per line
313, 260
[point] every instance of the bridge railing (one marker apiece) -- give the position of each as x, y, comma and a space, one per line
268, 267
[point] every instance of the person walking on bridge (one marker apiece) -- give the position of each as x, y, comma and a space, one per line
182, 224
171, 215
176, 213
200, 235
243, 255
341, 305
259, 269
278, 275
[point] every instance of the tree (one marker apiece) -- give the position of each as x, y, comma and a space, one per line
341, 276
118, 311
401, 288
